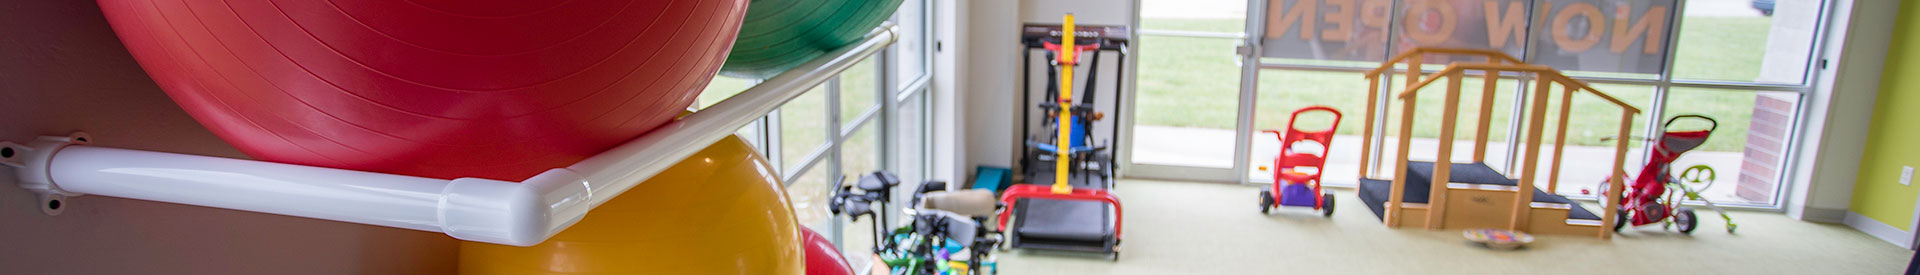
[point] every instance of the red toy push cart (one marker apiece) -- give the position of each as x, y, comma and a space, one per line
1297, 168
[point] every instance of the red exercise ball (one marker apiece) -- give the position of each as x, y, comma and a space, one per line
500, 89
823, 258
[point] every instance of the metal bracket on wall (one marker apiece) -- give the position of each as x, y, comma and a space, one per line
31, 163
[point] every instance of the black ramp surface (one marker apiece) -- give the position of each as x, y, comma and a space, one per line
1373, 193
1578, 212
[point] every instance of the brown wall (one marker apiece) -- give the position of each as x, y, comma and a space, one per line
62, 70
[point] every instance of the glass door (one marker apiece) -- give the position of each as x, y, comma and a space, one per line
1187, 112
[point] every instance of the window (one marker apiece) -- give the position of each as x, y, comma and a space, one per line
1743, 44
1745, 66
912, 48
810, 192
803, 128
859, 91
827, 132
1186, 95
1749, 147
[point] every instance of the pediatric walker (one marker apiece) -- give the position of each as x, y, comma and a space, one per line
1069, 214
1643, 203
945, 233
1296, 173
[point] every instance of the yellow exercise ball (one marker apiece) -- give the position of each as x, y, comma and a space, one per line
720, 211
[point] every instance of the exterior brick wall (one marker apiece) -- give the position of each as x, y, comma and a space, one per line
1760, 161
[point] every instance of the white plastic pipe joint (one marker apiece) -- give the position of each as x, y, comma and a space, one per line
514, 213
31, 162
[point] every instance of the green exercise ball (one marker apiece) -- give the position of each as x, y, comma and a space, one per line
780, 34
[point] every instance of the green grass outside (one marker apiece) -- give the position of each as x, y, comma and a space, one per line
1193, 82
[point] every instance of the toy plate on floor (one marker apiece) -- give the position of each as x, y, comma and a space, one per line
1499, 238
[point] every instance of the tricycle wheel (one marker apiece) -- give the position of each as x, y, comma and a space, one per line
1686, 220
1619, 220
1326, 205
1266, 201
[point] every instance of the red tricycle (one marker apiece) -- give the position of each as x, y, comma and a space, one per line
1296, 169
1648, 200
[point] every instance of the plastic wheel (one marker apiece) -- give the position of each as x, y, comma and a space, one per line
1003, 245
1686, 220
1266, 201
1619, 220
1326, 205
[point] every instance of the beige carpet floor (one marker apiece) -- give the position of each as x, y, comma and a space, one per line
1201, 228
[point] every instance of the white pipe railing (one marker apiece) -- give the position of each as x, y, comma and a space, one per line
474, 209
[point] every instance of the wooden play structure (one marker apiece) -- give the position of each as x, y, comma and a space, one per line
1473, 194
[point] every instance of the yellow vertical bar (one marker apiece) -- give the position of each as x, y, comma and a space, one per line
1413, 70
1619, 178
1062, 146
1486, 113
1394, 194
1443, 160
1366, 136
1529, 164
1560, 140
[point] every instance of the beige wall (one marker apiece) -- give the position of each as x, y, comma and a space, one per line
62, 70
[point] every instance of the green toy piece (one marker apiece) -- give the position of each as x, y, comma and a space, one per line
1703, 176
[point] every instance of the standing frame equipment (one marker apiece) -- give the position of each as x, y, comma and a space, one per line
1095, 41
1075, 212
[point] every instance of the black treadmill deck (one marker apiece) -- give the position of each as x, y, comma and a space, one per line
1066, 225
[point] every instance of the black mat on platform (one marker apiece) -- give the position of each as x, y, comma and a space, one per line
1476, 173
1374, 192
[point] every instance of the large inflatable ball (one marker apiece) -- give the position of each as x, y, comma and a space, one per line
720, 211
823, 257
498, 89
781, 34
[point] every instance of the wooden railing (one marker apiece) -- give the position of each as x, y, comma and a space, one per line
1496, 64
1413, 60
